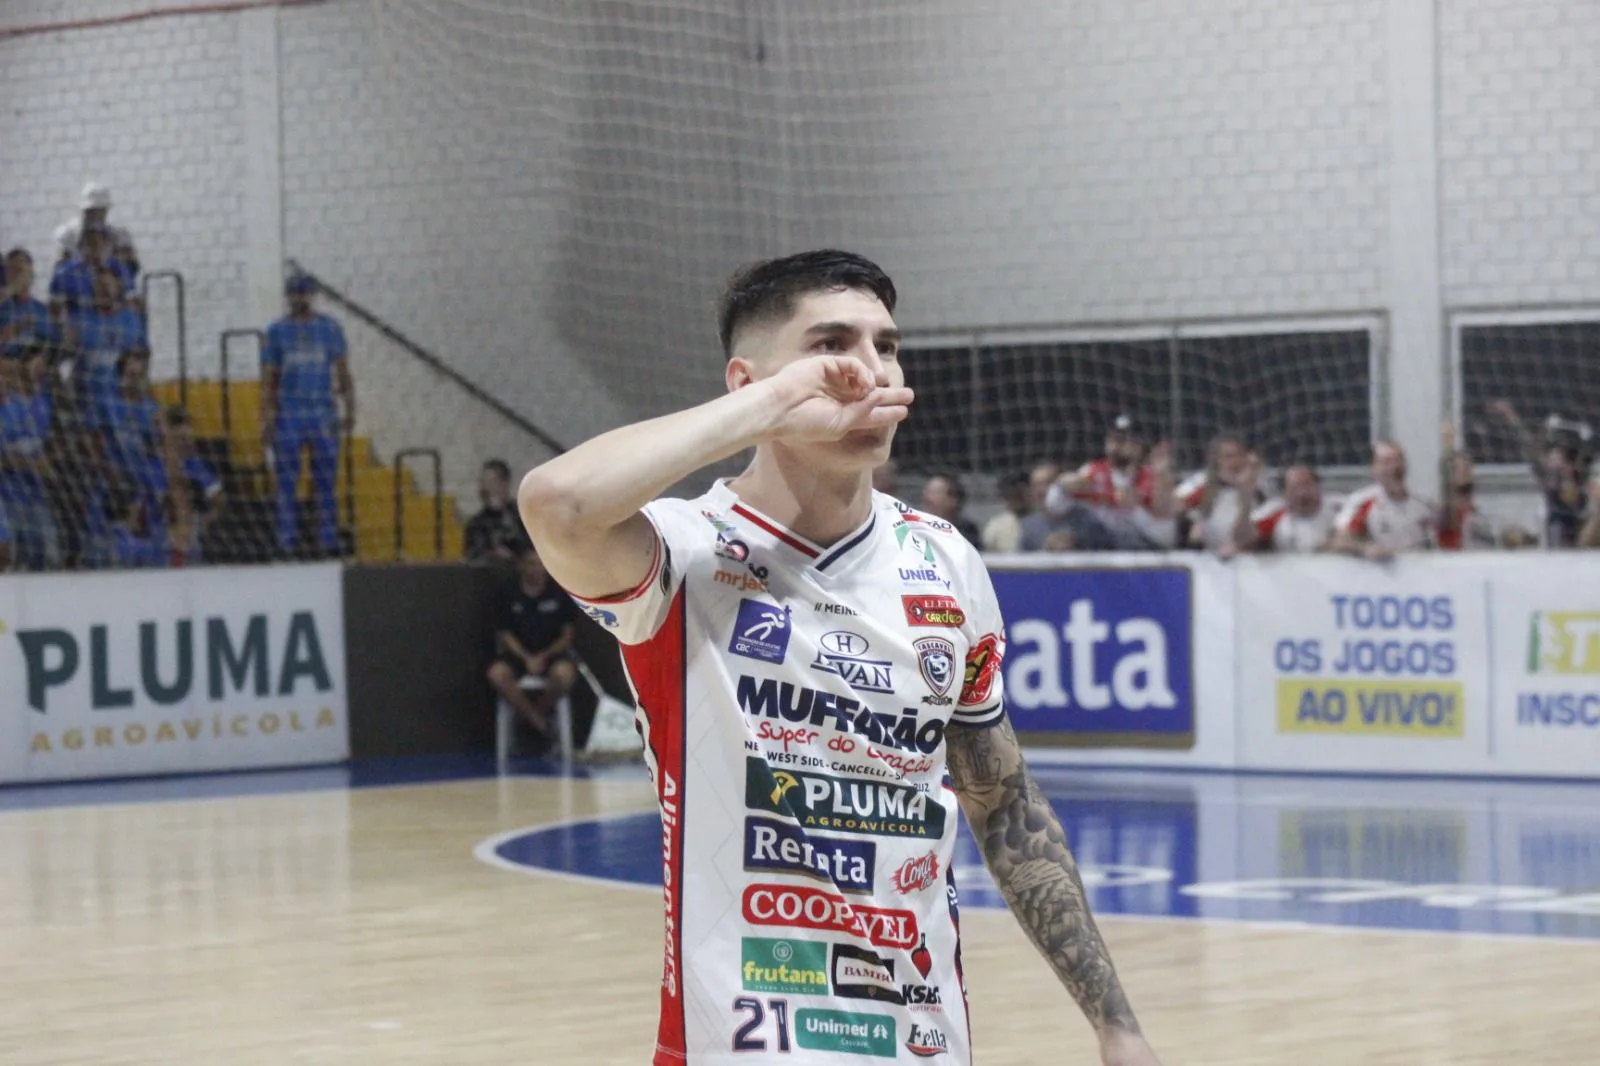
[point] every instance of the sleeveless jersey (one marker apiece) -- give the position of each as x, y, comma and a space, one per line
793, 700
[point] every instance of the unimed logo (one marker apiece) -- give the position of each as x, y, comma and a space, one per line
218, 657
1564, 642
802, 907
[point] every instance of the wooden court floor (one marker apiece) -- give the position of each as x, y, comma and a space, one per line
354, 926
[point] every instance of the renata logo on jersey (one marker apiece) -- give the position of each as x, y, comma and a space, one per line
862, 974
817, 801
843, 653
777, 847
933, 611
916, 874
761, 631
936, 659
786, 701
983, 664
926, 1042
800, 907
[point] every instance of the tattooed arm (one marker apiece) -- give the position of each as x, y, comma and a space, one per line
1027, 852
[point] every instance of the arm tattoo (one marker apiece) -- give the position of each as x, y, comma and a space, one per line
1027, 852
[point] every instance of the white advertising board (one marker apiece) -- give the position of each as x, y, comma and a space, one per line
1346, 664
1545, 656
151, 672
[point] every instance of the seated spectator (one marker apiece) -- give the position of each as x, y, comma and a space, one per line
25, 323
886, 477
1301, 520
94, 208
26, 413
1556, 457
1127, 493
1003, 531
195, 496
74, 282
129, 539
1215, 499
1038, 525
1384, 519
98, 335
535, 630
944, 496
1462, 524
496, 533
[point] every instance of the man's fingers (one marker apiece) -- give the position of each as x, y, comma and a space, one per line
893, 397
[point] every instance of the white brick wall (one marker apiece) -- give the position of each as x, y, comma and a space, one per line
1520, 150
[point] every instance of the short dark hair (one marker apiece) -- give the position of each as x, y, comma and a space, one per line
768, 290
17, 253
499, 466
957, 489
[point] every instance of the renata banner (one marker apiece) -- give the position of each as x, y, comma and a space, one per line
146, 672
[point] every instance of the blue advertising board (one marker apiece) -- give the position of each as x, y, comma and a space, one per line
1101, 657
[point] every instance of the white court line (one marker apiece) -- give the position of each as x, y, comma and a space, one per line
485, 852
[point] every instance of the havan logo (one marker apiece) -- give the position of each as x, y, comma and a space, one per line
844, 653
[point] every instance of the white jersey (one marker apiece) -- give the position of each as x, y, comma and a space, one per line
1398, 525
793, 702
1279, 529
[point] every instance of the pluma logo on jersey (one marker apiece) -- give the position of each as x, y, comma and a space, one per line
1101, 652
817, 801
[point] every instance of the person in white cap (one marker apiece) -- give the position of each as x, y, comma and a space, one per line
95, 205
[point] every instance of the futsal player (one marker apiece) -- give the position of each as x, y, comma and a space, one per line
810, 658
303, 363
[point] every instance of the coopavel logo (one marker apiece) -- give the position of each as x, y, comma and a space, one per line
802, 907
844, 653
761, 631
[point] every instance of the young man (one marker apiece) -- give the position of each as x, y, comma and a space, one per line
495, 533
796, 645
25, 323
535, 634
1384, 519
303, 364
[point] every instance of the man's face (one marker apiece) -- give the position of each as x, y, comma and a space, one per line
846, 322
95, 216
34, 370
1556, 462
180, 437
19, 273
532, 568
135, 370
1016, 496
939, 498
492, 488
1122, 448
1230, 460
1389, 468
93, 244
1301, 491
107, 289
300, 304
1040, 478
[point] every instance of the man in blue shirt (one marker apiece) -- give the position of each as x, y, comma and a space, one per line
303, 363
25, 323
101, 333
132, 425
187, 476
25, 470
72, 285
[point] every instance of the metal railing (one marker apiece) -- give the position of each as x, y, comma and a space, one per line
176, 277
400, 458
227, 378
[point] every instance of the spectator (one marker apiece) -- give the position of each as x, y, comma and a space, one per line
535, 631
134, 443
95, 206
100, 334
1129, 498
1038, 525
1301, 520
25, 323
74, 281
944, 496
303, 363
25, 472
1461, 523
496, 532
129, 542
1556, 458
195, 491
886, 478
1384, 518
1216, 499
1003, 531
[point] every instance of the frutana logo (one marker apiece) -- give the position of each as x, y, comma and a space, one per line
1564, 642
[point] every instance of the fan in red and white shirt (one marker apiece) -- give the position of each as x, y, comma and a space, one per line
1129, 490
1384, 518
1301, 520
1218, 500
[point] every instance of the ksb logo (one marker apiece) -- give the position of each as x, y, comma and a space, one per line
1116, 643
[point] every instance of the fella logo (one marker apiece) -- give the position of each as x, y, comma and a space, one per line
933, 611
925, 1041
761, 631
799, 907
777, 847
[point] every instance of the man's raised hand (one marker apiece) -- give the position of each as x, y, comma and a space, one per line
826, 397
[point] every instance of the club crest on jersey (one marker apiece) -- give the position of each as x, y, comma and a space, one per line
843, 653
761, 631
936, 659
